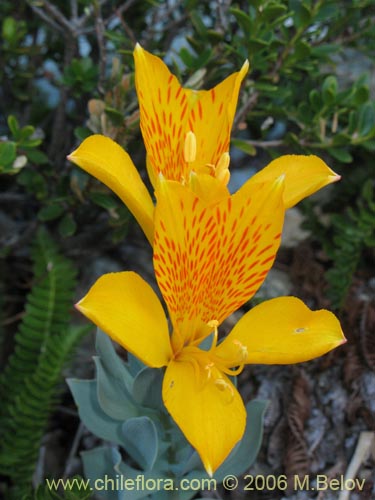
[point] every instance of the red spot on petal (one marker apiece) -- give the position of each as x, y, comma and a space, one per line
267, 260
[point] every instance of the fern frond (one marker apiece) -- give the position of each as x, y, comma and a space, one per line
43, 343
354, 231
46, 312
76, 488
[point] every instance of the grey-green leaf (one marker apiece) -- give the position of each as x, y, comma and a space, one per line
99, 466
113, 396
145, 489
147, 388
141, 441
111, 361
85, 396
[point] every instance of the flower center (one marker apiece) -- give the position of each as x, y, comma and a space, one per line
220, 170
223, 364
210, 368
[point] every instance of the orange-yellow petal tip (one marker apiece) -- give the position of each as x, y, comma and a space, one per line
138, 47
245, 68
72, 156
209, 470
78, 305
335, 177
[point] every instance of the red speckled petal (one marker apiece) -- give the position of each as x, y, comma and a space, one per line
168, 111
210, 259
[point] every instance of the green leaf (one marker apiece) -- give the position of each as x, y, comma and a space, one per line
25, 134
7, 154
325, 50
341, 154
37, 157
329, 89
141, 441
244, 20
244, 146
266, 87
366, 119
301, 11
315, 100
214, 36
104, 200
13, 125
302, 49
186, 57
81, 133
67, 225
341, 139
352, 122
245, 453
258, 43
361, 95
327, 12
51, 212
196, 19
9, 28
116, 117
273, 11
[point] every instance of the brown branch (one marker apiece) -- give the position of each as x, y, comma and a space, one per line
45, 18
99, 29
249, 105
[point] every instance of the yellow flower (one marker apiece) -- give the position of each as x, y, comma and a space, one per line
211, 254
186, 132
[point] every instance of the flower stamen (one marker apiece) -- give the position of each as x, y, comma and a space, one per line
190, 147
223, 386
222, 169
239, 360
213, 323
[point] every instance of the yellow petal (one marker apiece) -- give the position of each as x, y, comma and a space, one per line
210, 414
304, 175
209, 189
125, 307
209, 259
168, 112
103, 158
212, 116
283, 331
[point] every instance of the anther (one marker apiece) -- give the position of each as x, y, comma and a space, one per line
190, 147
223, 386
223, 162
208, 368
213, 323
222, 171
223, 176
242, 350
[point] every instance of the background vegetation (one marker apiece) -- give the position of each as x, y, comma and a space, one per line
67, 72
